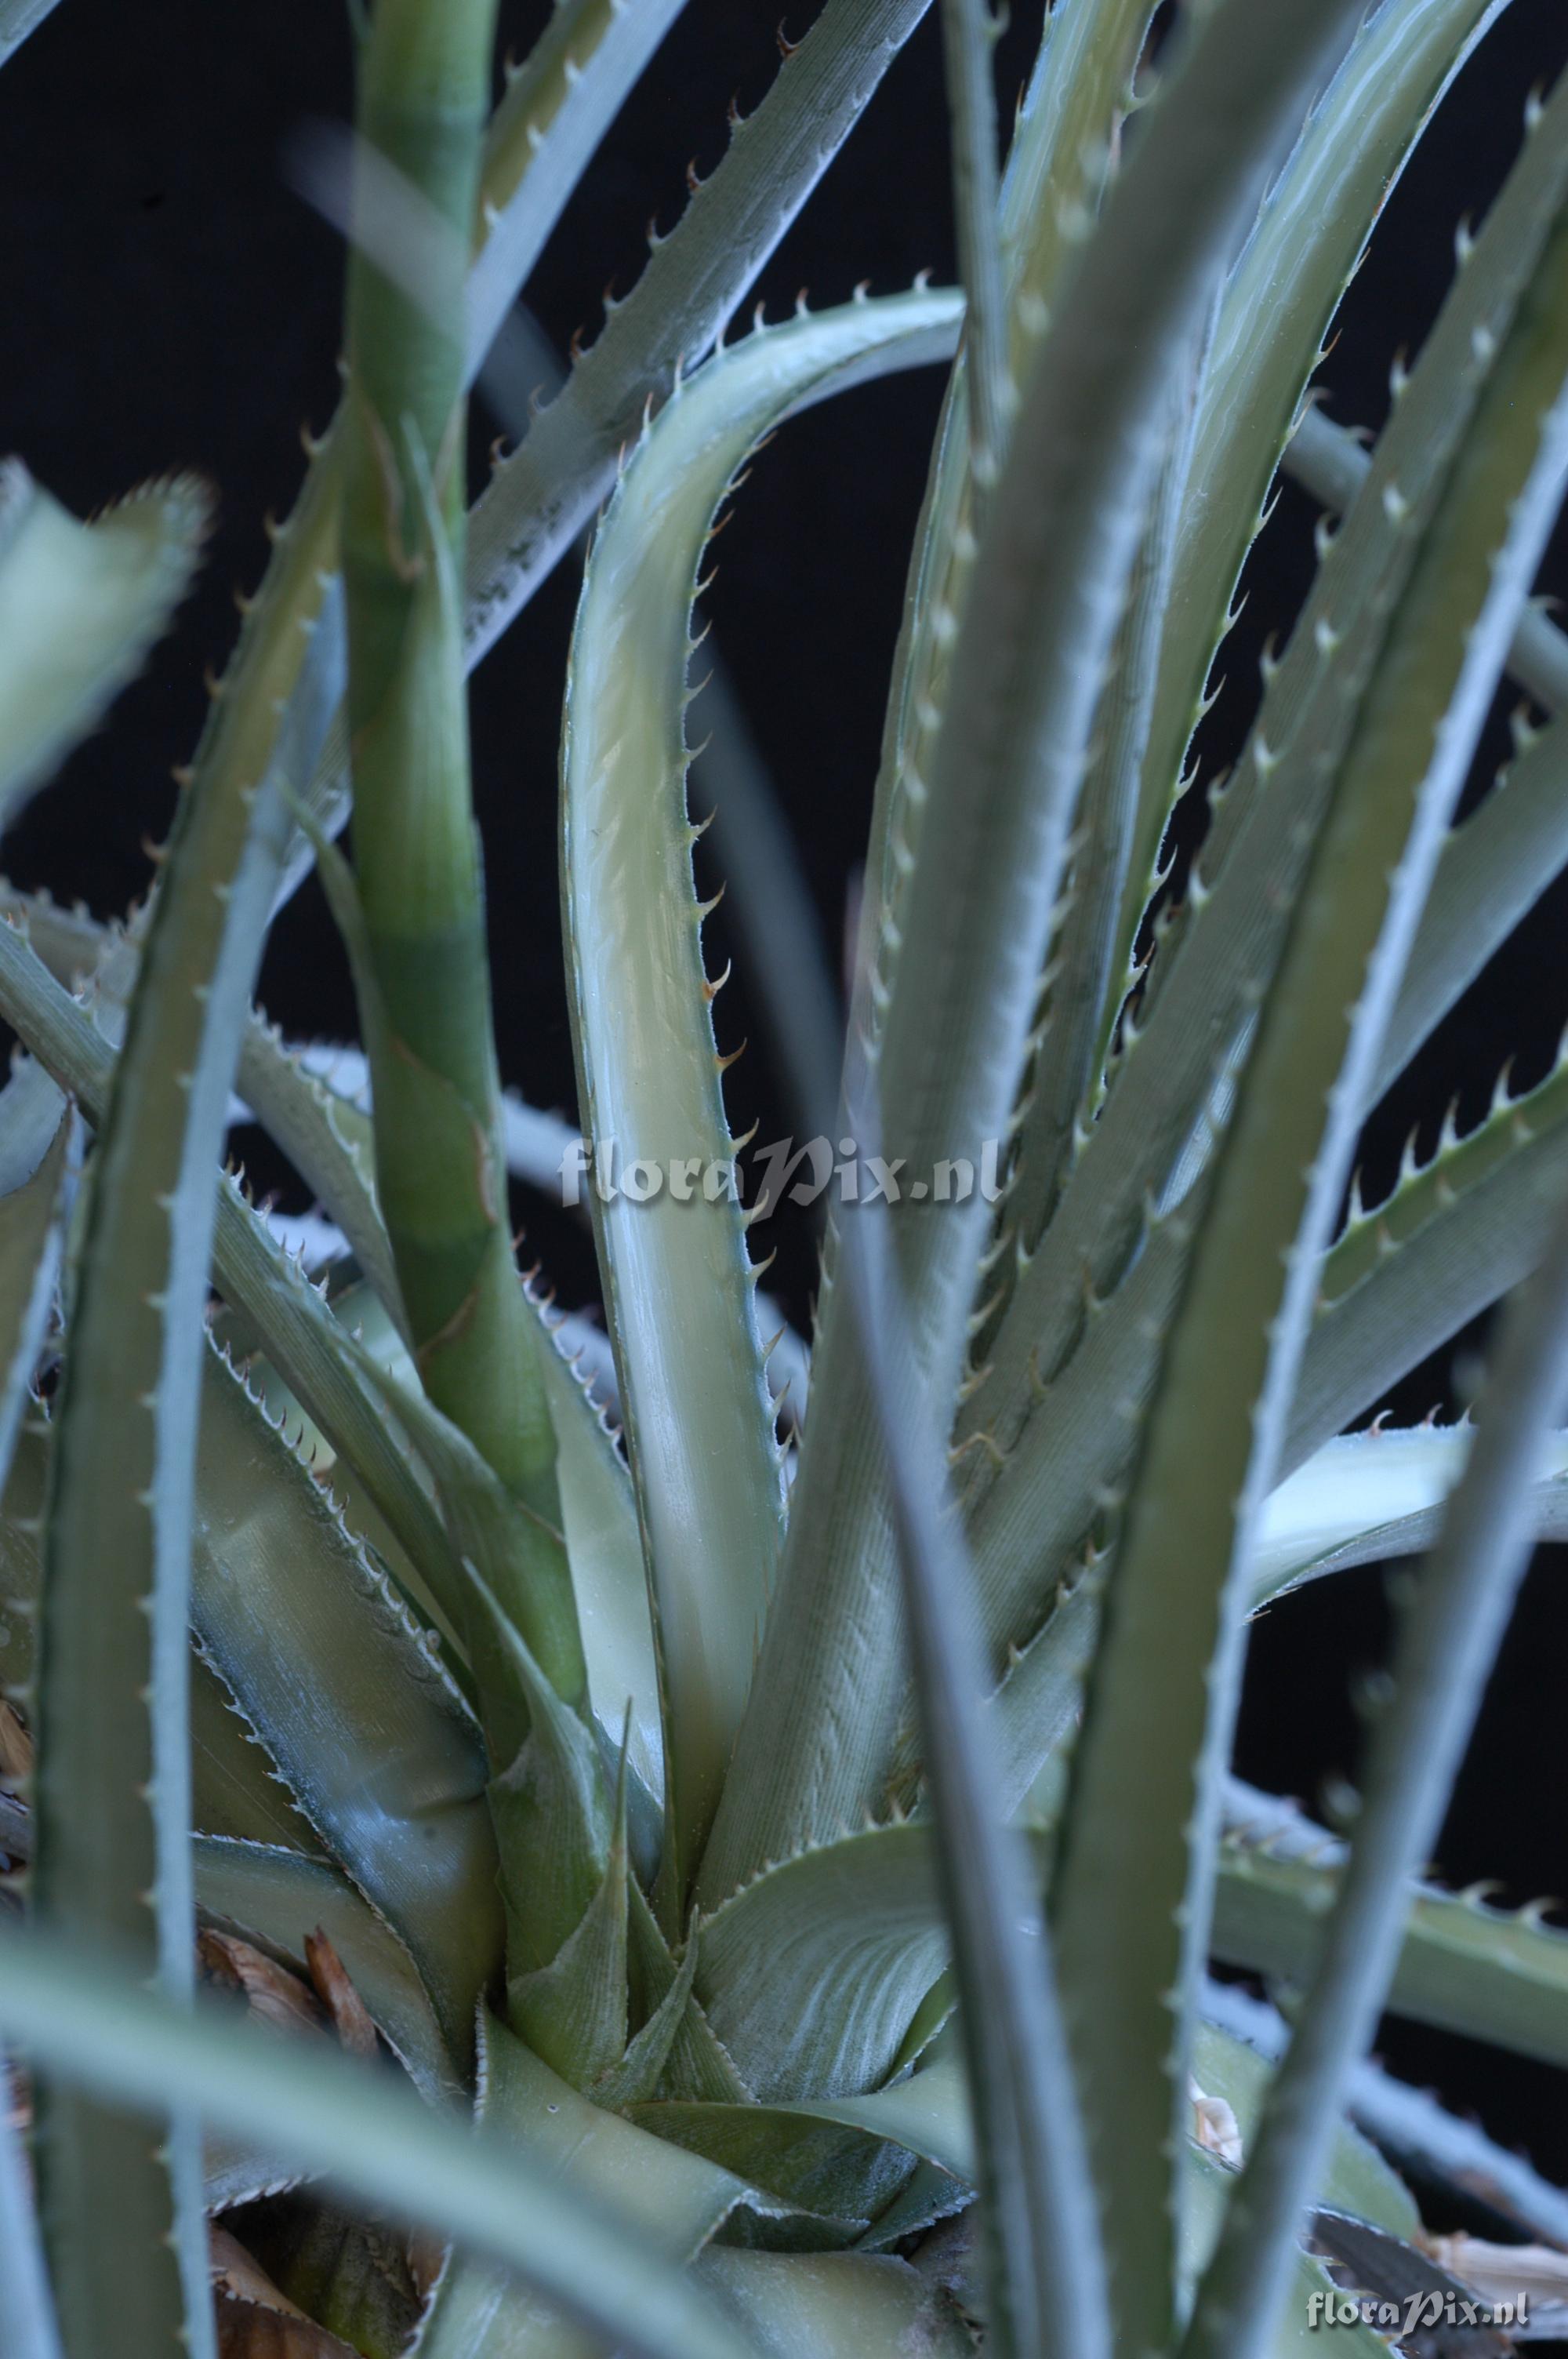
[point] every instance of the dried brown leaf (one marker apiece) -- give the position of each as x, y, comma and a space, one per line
247, 2329
255, 2321
15, 1746
271, 1992
425, 2254
337, 1996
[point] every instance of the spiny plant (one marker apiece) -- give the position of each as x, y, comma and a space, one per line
803, 1858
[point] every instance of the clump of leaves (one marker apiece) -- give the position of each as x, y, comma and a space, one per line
801, 1857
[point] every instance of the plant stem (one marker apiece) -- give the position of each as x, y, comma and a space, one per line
425, 978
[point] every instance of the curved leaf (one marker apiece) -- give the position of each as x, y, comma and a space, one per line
1369, 1497
677, 1278
284, 1312
1454, 1235
811, 1973
557, 106
1464, 1966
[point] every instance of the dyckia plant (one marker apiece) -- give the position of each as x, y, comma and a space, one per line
764, 1878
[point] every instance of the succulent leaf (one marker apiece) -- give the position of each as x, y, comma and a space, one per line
1198, 1012
1454, 1235
1027, 664
81, 604
1488, 1972
540, 498
676, 2201
111, 1860
678, 1280
836, 2305
855, 1923
557, 107
32, 1214
364, 1729
502, 2195
1444, 1655
1405, 715
1301, 252
283, 1311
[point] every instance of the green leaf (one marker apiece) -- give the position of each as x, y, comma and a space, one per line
1281, 297
970, 34
837, 2180
927, 2115
17, 19
26, 2308
503, 2193
1463, 1966
415, 911
836, 2305
1356, 2180
604, 1549
1369, 1497
1045, 2264
678, 1278
81, 604
547, 493
1393, 743
573, 2011
1027, 663
234, 1789
557, 106
1087, 963
520, 1559
32, 1216
542, 496
362, 1725
328, 1144
1444, 1655
1498, 862
1452, 1236
673, 2202
1492, 870
283, 1310
811, 1973
235, 1792
349, 2276
1058, 164
1209, 2187
1197, 1004
1332, 463
1428, 2143
70, 942
112, 1831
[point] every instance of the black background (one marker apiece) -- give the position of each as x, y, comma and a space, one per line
166, 302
